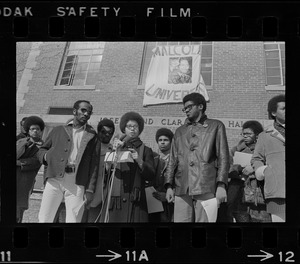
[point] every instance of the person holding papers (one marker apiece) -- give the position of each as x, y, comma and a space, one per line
198, 166
269, 159
163, 138
239, 172
126, 199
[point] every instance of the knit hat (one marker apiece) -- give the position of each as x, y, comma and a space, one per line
106, 122
164, 132
132, 116
33, 120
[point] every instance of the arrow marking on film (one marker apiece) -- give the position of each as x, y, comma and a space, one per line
113, 257
266, 256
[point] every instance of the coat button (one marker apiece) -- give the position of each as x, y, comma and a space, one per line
61, 159
69, 139
191, 163
66, 150
192, 148
193, 135
124, 200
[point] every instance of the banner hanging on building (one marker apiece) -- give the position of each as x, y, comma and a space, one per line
174, 72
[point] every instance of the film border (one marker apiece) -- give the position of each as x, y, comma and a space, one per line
258, 21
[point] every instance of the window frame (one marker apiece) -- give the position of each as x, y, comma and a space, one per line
274, 87
85, 86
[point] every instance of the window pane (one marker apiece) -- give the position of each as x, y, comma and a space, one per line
94, 67
68, 66
84, 58
270, 46
85, 52
71, 58
273, 72
96, 58
92, 78
207, 51
72, 52
206, 78
80, 75
282, 46
272, 63
66, 74
98, 51
273, 81
64, 81
272, 54
80, 67
184, 43
79, 82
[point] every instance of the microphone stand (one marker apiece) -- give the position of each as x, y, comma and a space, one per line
106, 217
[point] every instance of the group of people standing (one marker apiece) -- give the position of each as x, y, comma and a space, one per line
193, 165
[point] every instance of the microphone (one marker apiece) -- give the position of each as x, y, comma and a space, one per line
124, 138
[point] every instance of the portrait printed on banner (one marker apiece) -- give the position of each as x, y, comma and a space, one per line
180, 70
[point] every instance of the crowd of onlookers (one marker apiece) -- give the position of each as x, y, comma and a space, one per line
102, 178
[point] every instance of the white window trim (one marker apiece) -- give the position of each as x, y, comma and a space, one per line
81, 87
277, 87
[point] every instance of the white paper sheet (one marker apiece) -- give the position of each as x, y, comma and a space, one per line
153, 204
242, 158
123, 156
211, 208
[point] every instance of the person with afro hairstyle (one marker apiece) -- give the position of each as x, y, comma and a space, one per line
28, 164
236, 209
268, 160
163, 138
199, 163
22, 134
127, 196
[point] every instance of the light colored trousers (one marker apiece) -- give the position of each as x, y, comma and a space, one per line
189, 208
55, 190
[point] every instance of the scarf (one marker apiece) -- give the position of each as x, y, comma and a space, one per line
279, 128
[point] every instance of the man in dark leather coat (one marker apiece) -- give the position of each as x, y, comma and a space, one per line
199, 163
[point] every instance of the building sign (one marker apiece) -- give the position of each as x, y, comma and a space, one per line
174, 72
154, 121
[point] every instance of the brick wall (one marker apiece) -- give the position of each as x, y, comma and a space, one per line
238, 89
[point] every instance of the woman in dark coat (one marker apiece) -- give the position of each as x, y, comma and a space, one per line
236, 209
127, 197
27, 162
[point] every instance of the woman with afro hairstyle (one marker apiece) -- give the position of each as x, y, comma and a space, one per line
236, 209
127, 199
27, 163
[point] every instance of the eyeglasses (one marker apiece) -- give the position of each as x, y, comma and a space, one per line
109, 133
135, 127
188, 108
246, 134
34, 128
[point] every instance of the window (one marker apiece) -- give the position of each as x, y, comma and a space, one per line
206, 59
275, 63
60, 111
81, 64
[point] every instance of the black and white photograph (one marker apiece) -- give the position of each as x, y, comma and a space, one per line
128, 132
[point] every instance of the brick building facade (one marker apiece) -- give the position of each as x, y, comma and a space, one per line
239, 90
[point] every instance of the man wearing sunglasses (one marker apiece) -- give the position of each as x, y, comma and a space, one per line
106, 130
199, 163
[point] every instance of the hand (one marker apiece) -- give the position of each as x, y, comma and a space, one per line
237, 167
170, 195
89, 197
19, 163
134, 154
221, 195
248, 170
117, 143
161, 196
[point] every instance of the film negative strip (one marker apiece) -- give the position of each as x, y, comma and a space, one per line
237, 54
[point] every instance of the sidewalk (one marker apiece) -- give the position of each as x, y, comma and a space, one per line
31, 215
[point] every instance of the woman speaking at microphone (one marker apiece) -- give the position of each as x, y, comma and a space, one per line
126, 200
